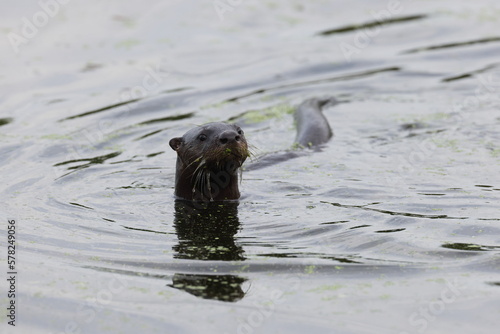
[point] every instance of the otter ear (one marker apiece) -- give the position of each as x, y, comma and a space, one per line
175, 143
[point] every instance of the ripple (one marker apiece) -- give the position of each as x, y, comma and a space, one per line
470, 247
371, 24
394, 213
5, 121
358, 75
95, 111
81, 205
168, 119
454, 45
391, 231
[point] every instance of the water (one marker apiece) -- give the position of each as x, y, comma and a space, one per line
393, 227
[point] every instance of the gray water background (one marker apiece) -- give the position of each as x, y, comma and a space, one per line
392, 228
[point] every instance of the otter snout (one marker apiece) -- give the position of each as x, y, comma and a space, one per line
229, 137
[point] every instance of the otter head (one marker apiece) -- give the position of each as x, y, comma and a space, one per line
208, 159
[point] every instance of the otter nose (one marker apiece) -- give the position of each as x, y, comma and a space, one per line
229, 136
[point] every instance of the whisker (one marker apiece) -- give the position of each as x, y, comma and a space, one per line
202, 163
209, 187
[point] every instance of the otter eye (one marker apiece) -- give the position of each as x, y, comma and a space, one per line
202, 137
240, 132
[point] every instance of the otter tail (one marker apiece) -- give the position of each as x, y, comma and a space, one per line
312, 126
313, 130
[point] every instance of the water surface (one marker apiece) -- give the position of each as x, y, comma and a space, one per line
392, 228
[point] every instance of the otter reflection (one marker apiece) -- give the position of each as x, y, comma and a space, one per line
206, 232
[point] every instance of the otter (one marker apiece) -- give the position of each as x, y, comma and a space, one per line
208, 160
209, 156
